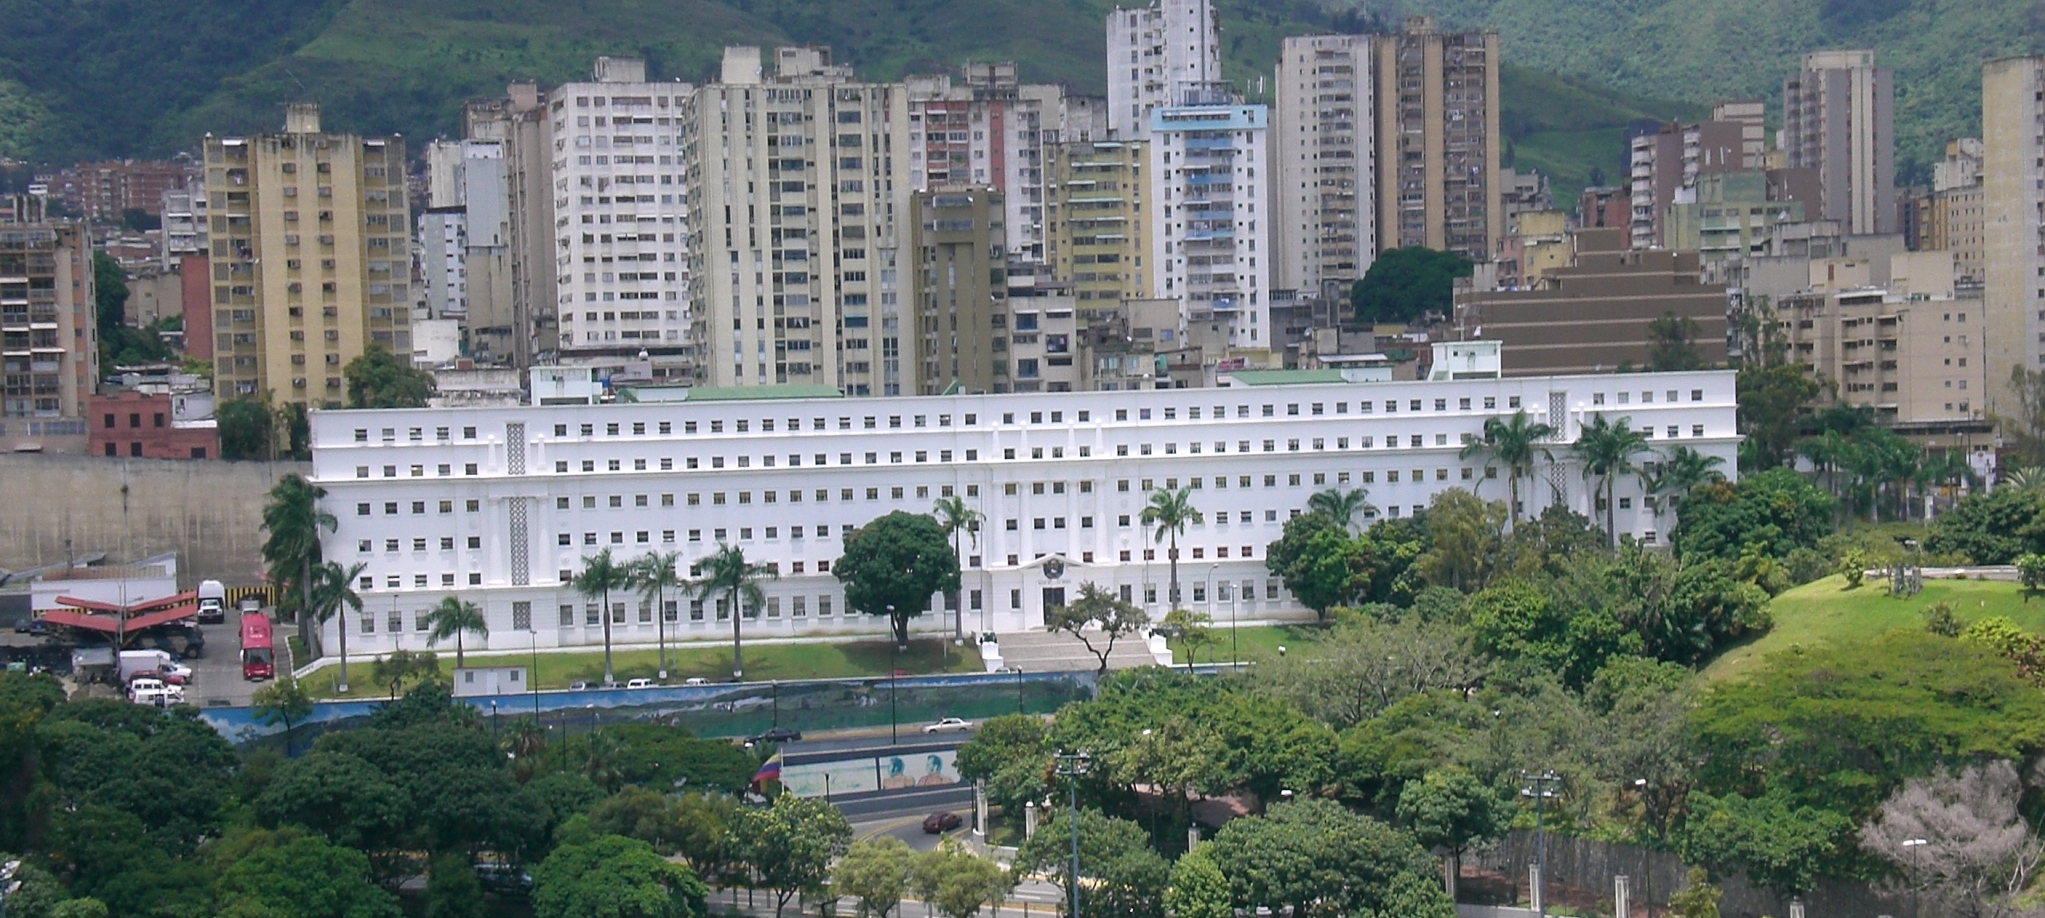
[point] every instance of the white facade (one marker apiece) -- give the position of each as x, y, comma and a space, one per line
443, 265
184, 223
1323, 143
1211, 248
501, 505
620, 212
1156, 55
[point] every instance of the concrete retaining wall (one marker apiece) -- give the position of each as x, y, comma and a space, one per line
208, 511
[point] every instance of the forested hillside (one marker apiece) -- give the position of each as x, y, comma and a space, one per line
83, 78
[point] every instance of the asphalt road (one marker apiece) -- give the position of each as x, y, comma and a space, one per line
217, 677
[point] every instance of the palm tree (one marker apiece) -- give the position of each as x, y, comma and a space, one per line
655, 573
293, 519
1516, 443
955, 517
1607, 450
1678, 474
524, 742
1339, 504
333, 590
600, 575
1170, 512
727, 572
453, 618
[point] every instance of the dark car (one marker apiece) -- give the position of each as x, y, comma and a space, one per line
941, 822
775, 735
31, 625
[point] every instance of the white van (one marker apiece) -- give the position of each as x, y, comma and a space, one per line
639, 683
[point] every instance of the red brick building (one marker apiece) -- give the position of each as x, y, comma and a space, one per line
147, 426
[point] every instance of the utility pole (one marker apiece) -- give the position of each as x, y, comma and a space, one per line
1539, 788
1072, 766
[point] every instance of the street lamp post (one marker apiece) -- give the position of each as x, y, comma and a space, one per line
532, 676
1072, 766
1538, 789
894, 672
1018, 688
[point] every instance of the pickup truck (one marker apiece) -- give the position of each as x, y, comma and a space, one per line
155, 692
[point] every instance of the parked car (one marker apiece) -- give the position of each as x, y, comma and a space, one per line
695, 680
579, 686
941, 822
950, 725
775, 735
639, 683
31, 625
504, 878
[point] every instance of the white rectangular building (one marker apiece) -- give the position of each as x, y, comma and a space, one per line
501, 505
621, 213
1211, 248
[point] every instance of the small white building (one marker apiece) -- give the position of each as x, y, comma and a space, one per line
473, 681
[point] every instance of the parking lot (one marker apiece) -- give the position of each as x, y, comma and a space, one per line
216, 681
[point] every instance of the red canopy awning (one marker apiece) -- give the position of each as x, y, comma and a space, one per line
146, 605
109, 624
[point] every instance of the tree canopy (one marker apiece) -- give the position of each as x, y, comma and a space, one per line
893, 565
1405, 283
380, 379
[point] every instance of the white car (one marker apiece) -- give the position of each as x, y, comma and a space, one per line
695, 680
950, 725
155, 692
639, 683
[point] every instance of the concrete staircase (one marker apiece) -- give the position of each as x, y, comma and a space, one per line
1058, 651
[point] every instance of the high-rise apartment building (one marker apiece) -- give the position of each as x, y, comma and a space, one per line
1156, 55
1752, 116
1438, 140
1098, 221
2013, 186
519, 326
621, 215
443, 269
1952, 214
1838, 118
1667, 162
49, 343
1323, 146
184, 222
960, 310
310, 257
1211, 248
796, 181
989, 130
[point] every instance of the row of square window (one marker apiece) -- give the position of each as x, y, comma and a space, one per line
366, 546
390, 507
419, 581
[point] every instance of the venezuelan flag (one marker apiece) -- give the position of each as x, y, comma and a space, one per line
770, 770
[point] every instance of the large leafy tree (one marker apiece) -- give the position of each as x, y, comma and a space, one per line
1316, 858
1607, 448
727, 573
615, 877
1124, 876
1517, 621
1992, 527
874, 872
1012, 753
1466, 536
1776, 511
1101, 610
340, 796
302, 877
1774, 397
600, 575
1452, 809
893, 565
1321, 564
1168, 514
293, 518
247, 428
1672, 344
1515, 443
1365, 665
1406, 283
283, 701
1776, 842
960, 882
791, 845
380, 379
453, 618
657, 573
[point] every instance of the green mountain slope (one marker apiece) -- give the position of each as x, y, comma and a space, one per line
1705, 50
1573, 131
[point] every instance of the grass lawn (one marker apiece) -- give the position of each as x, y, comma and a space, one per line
1251, 644
1825, 612
763, 662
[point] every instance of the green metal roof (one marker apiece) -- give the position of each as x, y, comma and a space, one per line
1285, 377
761, 393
